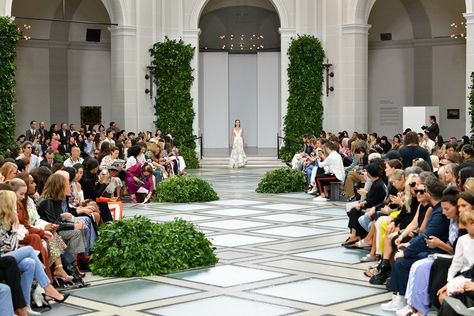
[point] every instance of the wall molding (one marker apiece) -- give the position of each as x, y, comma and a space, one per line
415, 43
37, 43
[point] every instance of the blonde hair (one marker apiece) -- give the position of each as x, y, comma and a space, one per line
16, 184
469, 185
408, 196
466, 218
54, 187
7, 208
441, 173
434, 161
7, 168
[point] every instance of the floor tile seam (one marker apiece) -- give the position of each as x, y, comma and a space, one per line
296, 250
100, 306
315, 261
363, 301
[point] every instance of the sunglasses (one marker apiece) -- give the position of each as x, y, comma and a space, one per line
420, 191
28, 147
412, 184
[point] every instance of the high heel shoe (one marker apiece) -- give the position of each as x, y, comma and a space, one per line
48, 298
62, 275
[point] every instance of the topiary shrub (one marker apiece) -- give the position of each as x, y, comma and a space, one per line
139, 247
305, 87
174, 106
185, 190
282, 180
9, 37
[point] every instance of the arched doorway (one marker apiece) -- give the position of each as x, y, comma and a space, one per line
61, 67
239, 74
411, 56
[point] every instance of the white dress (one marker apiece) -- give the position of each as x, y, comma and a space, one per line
237, 157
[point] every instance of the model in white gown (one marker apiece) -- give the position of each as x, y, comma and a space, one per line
238, 158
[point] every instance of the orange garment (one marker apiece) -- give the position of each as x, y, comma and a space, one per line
33, 238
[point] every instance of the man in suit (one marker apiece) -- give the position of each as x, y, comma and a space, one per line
32, 132
49, 160
64, 133
42, 130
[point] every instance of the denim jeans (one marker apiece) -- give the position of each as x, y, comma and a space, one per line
6, 303
365, 222
31, 268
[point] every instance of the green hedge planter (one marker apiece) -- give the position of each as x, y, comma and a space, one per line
9, 37
174, 112
305, 87
282, 180
139, 247
185, 190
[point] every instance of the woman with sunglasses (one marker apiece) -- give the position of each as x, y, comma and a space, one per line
418, 280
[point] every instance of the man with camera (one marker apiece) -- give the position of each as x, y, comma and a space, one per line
433, 129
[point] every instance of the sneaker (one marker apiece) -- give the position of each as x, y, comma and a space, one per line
320, 199
397, 302
407, 310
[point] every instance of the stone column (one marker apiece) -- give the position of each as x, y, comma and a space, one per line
192, 37
469, 64
125, 107
353, 71
286, 35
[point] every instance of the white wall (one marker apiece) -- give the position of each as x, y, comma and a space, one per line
390, 16
243, 95
391, 82
214, 99
89, 82
32, 88
449, 64
268, 116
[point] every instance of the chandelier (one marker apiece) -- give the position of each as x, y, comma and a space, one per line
458, 30
241, 42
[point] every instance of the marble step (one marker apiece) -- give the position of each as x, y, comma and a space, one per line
253, 162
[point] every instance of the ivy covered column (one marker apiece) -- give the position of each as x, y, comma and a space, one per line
286, 35
9, 37
469, 64
354, 70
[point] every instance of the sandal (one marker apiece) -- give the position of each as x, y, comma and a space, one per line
371, 272
361, 244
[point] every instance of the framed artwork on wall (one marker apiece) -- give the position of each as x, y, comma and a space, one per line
453, 114
91, 115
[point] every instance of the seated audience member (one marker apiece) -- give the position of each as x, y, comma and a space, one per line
9, 170
49, 160
467, 152
345, 150
132, 154
139, 178
333, 170
375, 196
74, 158
56, 245
355, 172
31, 160
54, 209
78, 195
40, 175
418, 281
94, 187
417, 248
396, 142
11, 295
26, 258
115, 185
385, 144
427, 143
469, 185
411, 150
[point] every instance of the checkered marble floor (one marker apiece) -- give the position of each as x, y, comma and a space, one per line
279, 255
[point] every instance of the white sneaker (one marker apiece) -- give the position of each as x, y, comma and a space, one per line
320, 199
407, 310
397, 302
31, 312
